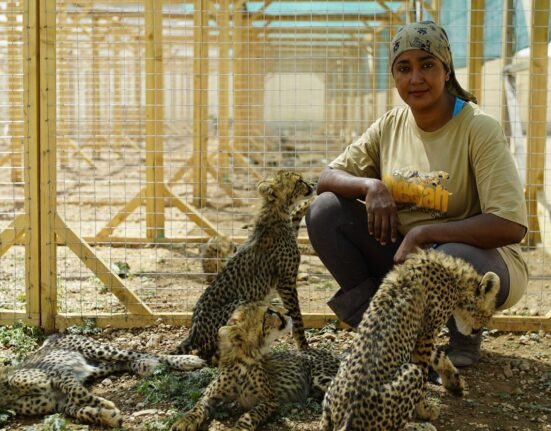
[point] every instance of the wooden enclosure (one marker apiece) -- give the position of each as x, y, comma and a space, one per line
131, 132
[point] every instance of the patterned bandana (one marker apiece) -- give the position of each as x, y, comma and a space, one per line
430, 37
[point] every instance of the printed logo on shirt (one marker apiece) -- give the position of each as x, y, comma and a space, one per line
413, 190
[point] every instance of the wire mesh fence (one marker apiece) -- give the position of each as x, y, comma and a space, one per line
131, 132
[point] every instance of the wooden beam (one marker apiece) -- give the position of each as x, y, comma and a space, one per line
100, 269
192, 213
521, 323
507, 59
537, 114
9, 317
13, 233
122, 215
311, 320
394, 17
476, 48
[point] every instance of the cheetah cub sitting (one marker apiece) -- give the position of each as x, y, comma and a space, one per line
267, 261
382, 381
254, 376
51, 380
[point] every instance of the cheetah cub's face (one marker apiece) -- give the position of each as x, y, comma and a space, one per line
478, 306
252, 329
285, 186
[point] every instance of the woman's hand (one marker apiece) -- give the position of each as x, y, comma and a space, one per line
382, 215
411, 242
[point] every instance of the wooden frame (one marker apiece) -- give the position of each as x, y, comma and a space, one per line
41, 229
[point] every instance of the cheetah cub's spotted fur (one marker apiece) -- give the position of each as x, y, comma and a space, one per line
268, 261
382, 381
51, 380
218, 249
256, 377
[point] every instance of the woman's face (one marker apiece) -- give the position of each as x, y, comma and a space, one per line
420, 79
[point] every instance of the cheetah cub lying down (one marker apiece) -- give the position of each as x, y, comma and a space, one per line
51, 380
268, 261
382, 381
257, 378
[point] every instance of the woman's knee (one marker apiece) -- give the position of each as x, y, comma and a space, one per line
326, 207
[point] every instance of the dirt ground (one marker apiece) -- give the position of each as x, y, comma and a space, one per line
509, 390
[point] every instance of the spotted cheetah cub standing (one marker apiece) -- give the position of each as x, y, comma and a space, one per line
268, 261
51, 380
256, 377
382, 381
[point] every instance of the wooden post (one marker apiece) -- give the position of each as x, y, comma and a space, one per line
14, 129
537, 113
390, 80
95, 87
373, 71
239, 81
506, 56
31, 142
200, 101
223, 87
476, 48
155, 196
45, 112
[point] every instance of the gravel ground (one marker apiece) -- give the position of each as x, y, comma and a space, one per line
509, 390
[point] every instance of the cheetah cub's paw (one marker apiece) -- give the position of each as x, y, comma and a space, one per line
187, 423
421, 426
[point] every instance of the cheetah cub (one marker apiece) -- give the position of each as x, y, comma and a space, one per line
382, 381
51, 380
256, 377
268, 261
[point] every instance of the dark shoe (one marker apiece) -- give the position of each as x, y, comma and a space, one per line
464, 358
463, 350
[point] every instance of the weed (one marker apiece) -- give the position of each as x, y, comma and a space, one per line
20, 338
299, 411
182, 390
6, 416
52, 423
87, 328
163, 424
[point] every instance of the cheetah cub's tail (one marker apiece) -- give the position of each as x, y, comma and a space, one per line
147, 364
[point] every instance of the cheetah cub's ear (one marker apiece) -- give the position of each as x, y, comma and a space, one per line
266, 189
488, 289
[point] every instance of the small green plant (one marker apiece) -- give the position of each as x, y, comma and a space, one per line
20, 338
88, 327
6, 416
299, 411
183, 390
163, 424
52, 423
55, 423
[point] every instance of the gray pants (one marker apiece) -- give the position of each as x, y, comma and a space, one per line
337, 228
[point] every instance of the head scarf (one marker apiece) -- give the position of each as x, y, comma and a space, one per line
430, 37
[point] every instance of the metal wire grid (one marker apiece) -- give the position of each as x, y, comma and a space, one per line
286, 88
